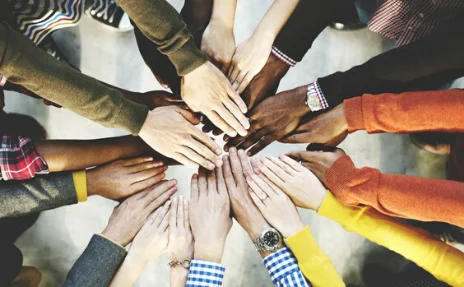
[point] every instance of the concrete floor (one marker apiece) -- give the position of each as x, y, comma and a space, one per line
59, 237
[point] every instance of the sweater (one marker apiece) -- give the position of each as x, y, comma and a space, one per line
400, 195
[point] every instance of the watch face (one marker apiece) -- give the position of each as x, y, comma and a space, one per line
271, 238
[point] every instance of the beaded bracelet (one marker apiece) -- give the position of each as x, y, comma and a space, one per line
185, 264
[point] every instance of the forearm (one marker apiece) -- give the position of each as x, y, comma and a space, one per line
224, 12
397, 195
441, 260
64, 155
275, 19
178, 276
129, 271
407, 112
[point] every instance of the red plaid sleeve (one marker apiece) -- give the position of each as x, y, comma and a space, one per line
19, 159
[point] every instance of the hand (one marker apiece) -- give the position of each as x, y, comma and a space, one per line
171, 132
122, 178
218, 42
249, 58
329, 129
318, 162
207, 90
247, 214
296, 181
180, 246
152, 239
129, 217
157, 99
273, 203
272, 120
209, 214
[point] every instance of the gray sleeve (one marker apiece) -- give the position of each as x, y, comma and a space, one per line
98, 264
19, 198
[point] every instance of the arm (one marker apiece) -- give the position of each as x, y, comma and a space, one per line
441, 260
25, 64
407, 112
397, 195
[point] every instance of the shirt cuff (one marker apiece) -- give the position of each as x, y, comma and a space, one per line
80, 184
111, 240
284, 58
354, 114
283, 269
205, 274
187, 58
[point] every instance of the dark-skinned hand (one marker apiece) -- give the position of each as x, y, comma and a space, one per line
273, 119
328, 129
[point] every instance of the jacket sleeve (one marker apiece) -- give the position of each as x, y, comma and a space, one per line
41, 193
162, 25
422, 65
436, 257
97, 265
25, 64
397, 195
407, 112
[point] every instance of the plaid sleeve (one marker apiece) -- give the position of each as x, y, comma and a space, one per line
283, 269
19, 159
205, 274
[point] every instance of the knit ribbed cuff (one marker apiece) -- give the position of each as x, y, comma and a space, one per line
339, 176
354, 114
187, 58
132, 116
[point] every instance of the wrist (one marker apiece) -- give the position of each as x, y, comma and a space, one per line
299, 98
256, 230
114, 236
226, 25
211, 252
90, 181
292, 229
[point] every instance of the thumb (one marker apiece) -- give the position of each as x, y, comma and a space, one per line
298, 155
189, 116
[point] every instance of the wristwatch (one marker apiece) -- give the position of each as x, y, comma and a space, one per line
269, 240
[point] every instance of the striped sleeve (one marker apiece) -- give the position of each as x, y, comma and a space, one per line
205, 274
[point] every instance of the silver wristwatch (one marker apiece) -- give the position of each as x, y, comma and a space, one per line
312, 99
269, 240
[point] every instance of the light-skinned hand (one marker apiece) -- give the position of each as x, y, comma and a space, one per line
208, 91
152, 239
209, 214
273, 203
171, 131
122, 178
318, 162
218, 43
300, 184
180, 246
129, 216
247, 214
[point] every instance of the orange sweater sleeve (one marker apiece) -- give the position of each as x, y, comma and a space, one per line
397, 195
407, 112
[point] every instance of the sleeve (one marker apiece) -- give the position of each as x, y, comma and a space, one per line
422, 65
19, 160
284, 270
313, 262
397, 195
436, 257
97, 265
407, 112
205, 274
41, 193
162, 25
80, 184
25, 64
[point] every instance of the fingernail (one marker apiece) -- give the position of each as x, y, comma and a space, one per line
149, 159
211, 166
218, 151
225, 158
248, 153
173, 181
233, 134
219, 162
169, 202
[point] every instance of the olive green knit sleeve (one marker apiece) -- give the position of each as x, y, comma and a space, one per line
162, 24
25, 64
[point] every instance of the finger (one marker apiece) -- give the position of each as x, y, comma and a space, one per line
261, 206
233, 72
295, 165
135, 161
180, 213
234, 142
186, 214
173, 213
236, 166
202, 182
237, 99
245, 82
208, 146
146, 174
241, 76
285, 167
232, 107
271, 174
141, 185
298, 155
163, 215
262, 144
212, 184
193, 155
217, 132
221, 123
256, 188
231, 120
273, 187
221, 183
165, 222
296, 138
194, 192
244, 162
253, 139
262, 184
143, 166
189, 116
255, 165
228, 176
153, 217
161, 199
185, 160
159, 190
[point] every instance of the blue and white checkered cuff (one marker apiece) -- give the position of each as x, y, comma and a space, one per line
205, 274
283, 269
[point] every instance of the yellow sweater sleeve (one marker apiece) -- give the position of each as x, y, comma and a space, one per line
444, 262
80, 183
313, 262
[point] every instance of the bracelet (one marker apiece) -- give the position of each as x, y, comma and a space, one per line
185, 263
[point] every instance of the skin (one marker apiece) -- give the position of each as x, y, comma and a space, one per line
209, 214
129, 216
